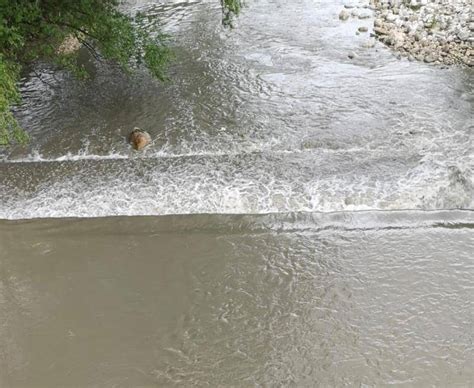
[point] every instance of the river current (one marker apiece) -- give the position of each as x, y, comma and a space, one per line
300, 219
255, 119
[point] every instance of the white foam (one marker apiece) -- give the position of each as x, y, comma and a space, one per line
244, 184
37, 157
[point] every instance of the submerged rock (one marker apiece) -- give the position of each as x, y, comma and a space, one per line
369, 43
365, 15
344, 15
139, 139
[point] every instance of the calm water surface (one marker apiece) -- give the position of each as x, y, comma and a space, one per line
301, 219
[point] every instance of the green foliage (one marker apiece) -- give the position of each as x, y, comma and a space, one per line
52, 30
233, 6
229, 9
41, 29
9, 128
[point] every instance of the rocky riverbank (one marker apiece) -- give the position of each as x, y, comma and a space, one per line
432, 31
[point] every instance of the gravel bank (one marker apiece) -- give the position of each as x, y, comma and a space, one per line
432, 31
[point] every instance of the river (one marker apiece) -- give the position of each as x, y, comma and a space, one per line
301, 218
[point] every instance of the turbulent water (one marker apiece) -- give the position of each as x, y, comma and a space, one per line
312, 214
256, 119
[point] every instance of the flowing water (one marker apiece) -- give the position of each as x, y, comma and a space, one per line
300, 219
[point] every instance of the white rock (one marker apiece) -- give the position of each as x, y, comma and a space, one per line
344, 15
378, 22
464, 34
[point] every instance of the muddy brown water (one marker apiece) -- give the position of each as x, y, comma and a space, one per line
343, 299
300, 219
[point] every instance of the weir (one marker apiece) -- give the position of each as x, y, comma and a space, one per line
302, 217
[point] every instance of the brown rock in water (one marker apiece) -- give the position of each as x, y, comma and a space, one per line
139, 139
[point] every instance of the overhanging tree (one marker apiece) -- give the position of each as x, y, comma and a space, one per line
31, 30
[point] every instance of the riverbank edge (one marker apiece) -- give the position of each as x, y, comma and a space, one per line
430, 31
